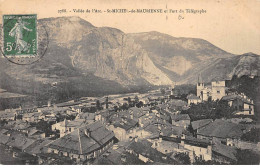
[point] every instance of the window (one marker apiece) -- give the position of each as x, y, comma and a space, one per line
69, 129
218, 92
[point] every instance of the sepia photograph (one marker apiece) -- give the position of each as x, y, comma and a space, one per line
128, 82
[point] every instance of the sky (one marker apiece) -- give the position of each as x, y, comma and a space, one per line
232, 25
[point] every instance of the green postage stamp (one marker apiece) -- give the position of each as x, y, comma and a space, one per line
20, 35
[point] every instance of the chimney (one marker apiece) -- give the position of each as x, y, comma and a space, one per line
49, 103
87, 132
136, 139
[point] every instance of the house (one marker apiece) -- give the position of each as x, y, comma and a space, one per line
35, 134
224, 154
123, 128
215, 91
8, 116
67, 126
165, 146
155, 127
83, 143
32, 117
194, 147
37, 147
182, 120
21, 126
145, 152
86, 116
137, 112
241, 103
221, 131
3, 137
118, 158
77, 108
104, 115
19, 141
199, 124
192, 99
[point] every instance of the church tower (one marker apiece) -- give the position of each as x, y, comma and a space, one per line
200, 87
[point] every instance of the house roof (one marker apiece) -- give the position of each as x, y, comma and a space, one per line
88, 116
4, 114
222, 129
35, 148
28, 115
4, 138
200, 123
236, 96
81, 143
144, 148
21, 125
74, 123
196, 141
33, 131
193, 97
224, 150
2, 131
19, 140
67, 104
137, 112
176, 102
178, 117
125, 123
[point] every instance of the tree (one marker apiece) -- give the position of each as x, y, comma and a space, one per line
106, 102
98, 104
136, 99
252, 136
209, 110
162, 91
3, 122
44, 126
129, 100
124, 106
140, 104
183, 157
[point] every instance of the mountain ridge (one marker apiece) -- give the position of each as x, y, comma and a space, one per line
82, 53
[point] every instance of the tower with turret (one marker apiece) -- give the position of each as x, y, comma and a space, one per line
200, 87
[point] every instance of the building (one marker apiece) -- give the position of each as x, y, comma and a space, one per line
196, 125
67, 126
194, 147
32, 117
123, 128
214, 92
224, 154
192, 99
145, 152
241, 103
221, 131
86, 116
84, 143
8, 116
182, 120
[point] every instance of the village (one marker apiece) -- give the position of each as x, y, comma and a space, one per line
214, 125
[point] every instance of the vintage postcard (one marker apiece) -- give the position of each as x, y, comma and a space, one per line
129, 82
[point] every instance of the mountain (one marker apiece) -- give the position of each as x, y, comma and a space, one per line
83, 60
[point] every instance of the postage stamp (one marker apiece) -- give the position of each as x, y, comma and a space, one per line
20, 35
